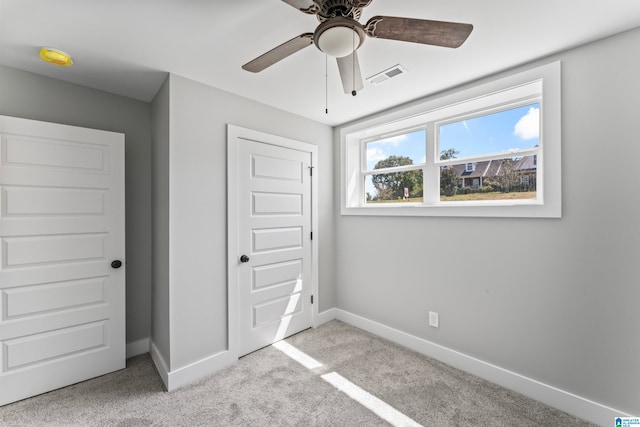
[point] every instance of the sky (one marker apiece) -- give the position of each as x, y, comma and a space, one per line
494, 133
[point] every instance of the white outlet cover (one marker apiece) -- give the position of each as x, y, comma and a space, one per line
434, 320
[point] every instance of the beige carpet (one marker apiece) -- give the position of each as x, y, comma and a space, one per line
269, 388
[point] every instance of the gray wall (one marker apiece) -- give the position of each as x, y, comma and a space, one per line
160, 130
196, 186
556, 300
35, 97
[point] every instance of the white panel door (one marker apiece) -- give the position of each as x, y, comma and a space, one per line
274, 242
62, 304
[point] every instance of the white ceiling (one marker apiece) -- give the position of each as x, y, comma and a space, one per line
127, 46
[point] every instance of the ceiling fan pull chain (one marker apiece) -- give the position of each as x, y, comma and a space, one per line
353, 62
326, 84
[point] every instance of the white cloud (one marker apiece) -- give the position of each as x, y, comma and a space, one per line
528, 127
374, 154
394, 140
464, 122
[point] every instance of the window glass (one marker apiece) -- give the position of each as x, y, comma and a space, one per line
400, 150
504, 131
394, 187
509, 178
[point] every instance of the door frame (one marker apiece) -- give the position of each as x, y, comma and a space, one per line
234, 133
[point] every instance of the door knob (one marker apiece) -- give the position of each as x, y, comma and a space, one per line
116, 264
244, 258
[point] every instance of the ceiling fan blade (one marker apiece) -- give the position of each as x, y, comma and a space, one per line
279, 53
437, 33
350, 73
361, 3
306, 6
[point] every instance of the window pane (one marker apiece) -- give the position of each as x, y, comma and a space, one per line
514, 129
400, 150
394, 187
502, 179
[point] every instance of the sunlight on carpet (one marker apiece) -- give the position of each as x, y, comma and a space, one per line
300, 357
366, 399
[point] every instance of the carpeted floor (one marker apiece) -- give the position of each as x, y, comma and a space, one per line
268, 388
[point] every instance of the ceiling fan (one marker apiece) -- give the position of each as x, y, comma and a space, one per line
340, 35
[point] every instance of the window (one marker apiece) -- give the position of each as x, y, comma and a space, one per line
479, 152
393, 168
514, 130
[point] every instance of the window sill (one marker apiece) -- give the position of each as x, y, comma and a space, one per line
502, 210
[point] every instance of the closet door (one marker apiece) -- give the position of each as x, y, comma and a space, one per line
62, 247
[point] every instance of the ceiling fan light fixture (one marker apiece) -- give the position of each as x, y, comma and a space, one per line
55, 57
339, 36
339, 41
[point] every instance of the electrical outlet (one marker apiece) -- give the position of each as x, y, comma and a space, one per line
434, 319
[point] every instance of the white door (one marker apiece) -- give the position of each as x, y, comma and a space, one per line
62, 317
274, 243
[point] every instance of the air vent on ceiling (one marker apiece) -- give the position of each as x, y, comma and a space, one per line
385, 75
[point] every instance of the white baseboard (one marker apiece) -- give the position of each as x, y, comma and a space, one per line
549, 395
325, 316
180, 377
161, 365
137, 348
200, 369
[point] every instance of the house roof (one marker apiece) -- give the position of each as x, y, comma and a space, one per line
527, 163
491, 168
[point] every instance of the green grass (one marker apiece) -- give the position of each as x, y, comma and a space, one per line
490, 196
469, 197
410, 200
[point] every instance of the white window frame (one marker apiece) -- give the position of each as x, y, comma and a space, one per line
540, 84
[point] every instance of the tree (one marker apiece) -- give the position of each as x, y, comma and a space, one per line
449, 179
450, 153
390, 186
508, 178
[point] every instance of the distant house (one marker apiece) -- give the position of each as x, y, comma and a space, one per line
527, 167
476, 174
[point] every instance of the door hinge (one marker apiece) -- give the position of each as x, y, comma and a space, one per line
311, 170
311, 299
312, 235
